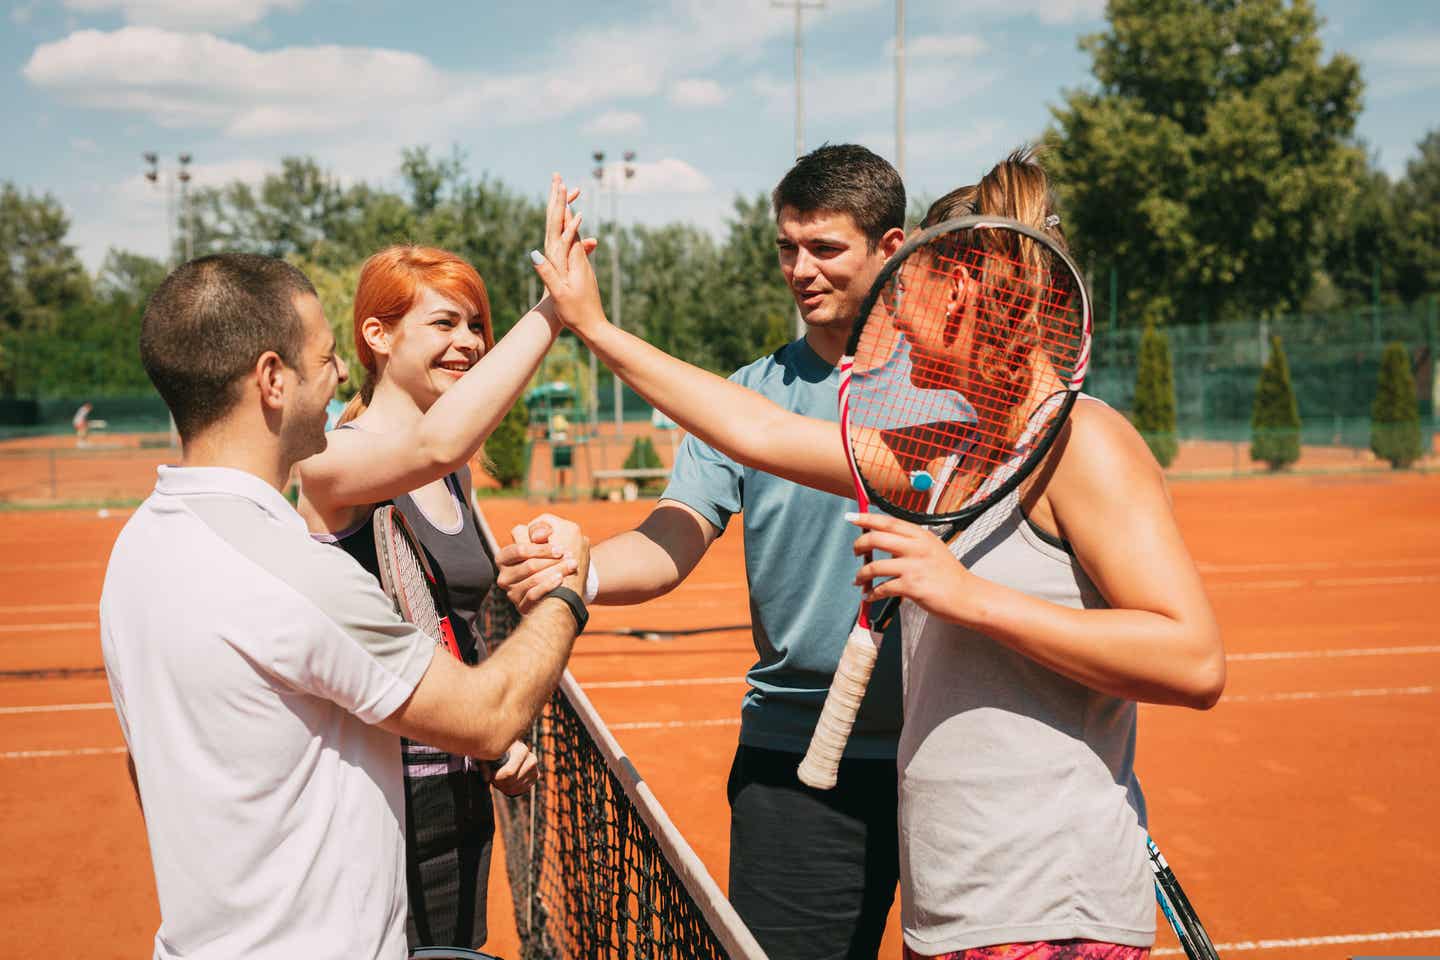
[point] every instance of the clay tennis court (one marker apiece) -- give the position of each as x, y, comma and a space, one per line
1299, 813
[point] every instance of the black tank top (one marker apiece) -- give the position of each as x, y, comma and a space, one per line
458, 556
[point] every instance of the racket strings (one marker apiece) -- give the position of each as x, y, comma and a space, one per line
992, 326
412, 586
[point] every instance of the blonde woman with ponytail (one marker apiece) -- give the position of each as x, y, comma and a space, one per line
436, 383
1025, 653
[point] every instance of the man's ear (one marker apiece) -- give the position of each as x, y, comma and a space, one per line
892, 241
375, 336
270, 379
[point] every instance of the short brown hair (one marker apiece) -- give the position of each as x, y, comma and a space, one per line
207, 324
845, 178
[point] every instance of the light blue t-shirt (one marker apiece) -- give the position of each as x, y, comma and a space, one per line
800, 570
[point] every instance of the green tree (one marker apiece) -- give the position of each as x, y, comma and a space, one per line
1206, 161
506, 451
41, 278
1395, 413
1364, 235
751, 312
1417, 205
670, 282
1275, 423
642, 456
336, 289
1155, 396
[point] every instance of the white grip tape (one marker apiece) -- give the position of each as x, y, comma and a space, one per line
842, 703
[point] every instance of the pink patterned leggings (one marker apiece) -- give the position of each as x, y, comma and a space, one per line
1043, 950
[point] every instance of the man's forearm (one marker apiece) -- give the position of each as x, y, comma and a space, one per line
526, 669
654, 558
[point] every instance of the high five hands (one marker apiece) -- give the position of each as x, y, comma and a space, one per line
564, 267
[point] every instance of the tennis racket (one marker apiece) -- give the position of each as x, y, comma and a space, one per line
406, 576
1176, 907
970, 349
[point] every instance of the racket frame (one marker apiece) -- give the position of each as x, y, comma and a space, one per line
958, 518
820, 766
388, 521
1177, 909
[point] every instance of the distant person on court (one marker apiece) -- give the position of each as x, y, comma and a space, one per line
81, 423
436, 384
1026, 649
812, 873
261, 679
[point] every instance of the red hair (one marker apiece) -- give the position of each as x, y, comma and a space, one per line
390, 283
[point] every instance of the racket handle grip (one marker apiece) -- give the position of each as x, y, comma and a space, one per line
827, 744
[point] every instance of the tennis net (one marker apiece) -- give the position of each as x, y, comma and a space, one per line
596, 867
597, 870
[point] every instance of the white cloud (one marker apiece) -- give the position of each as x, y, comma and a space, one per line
697, 93
84, 145
1046, 11
1404, 63
186, 14
953, 45
856, 94
1410, 50
614, 122
668, 176
199, 80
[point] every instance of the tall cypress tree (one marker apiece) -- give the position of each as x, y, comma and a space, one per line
1275, 423
1395, 413
505, 450
1155, 395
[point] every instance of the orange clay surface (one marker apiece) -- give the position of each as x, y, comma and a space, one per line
1300, 813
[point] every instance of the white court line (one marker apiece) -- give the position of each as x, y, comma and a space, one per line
1315, 565
57, 707
53, 565
49, 627
1295, 942
1321, 654
49, 608
1328, 583
675, 724
1329, 694
676, 682
49, 754
1299, 696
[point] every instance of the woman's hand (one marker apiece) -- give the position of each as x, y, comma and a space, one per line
920, 567
565, 268
519, 771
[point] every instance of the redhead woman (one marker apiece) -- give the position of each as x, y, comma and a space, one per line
436, 384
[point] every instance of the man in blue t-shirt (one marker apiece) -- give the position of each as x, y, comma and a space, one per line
813, 873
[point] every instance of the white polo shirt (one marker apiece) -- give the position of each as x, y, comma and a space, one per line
248, 664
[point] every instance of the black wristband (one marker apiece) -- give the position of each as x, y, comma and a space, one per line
576, 604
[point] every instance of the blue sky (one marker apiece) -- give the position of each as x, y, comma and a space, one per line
702, 91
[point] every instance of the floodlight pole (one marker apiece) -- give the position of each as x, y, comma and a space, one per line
799, 7
174, 220
617, 177
900, 88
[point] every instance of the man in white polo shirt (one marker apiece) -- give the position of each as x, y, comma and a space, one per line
261, 678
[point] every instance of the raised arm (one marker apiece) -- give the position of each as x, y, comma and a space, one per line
364, 466
739, 422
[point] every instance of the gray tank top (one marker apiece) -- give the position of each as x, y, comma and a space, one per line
1021, 818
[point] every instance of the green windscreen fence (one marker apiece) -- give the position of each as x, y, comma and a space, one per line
1334, 361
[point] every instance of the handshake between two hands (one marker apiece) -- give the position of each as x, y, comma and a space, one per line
547, 552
